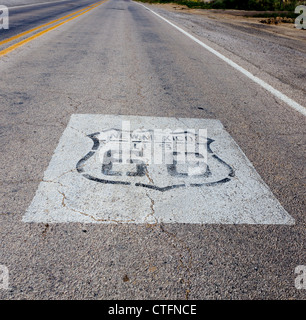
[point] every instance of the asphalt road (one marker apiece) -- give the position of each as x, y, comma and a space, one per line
121, 59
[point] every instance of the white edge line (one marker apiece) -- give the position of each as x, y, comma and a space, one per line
293, 104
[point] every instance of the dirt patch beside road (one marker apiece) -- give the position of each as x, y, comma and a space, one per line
242, 17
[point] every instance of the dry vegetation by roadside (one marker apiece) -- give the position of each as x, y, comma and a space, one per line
241, 17
272, 12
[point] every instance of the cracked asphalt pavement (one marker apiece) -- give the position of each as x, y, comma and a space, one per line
120, 59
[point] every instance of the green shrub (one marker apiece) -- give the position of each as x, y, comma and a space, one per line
255, 4
260, 5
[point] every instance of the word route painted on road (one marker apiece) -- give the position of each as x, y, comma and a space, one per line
133, 169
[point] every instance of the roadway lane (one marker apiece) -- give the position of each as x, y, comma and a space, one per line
27, 17
120, 59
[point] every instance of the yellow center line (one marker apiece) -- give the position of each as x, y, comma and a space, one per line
75, 15
42, 26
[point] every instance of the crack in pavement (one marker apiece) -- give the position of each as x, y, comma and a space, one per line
152, 213
184, 252
64, 205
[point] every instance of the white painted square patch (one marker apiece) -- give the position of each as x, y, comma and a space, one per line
87, 180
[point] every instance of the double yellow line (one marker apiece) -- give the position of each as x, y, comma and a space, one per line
69, 17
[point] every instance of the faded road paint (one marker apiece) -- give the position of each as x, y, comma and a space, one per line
79, 187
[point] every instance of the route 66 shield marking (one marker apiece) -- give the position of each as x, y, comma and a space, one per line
182, 166
160, 170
